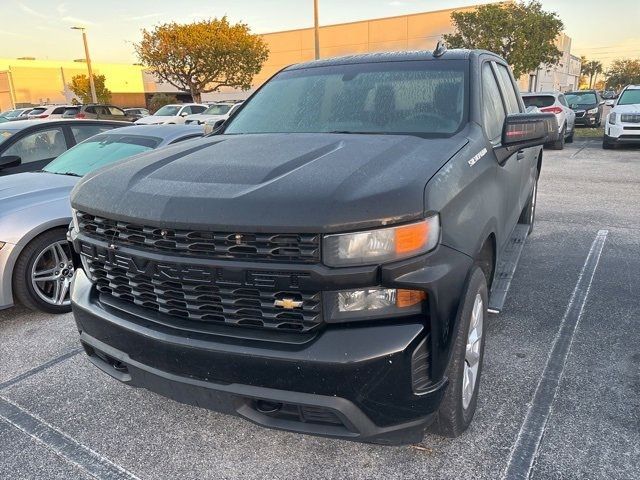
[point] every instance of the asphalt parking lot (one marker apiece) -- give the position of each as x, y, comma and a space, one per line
62, 418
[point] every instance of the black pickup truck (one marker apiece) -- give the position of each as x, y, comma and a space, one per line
322, 262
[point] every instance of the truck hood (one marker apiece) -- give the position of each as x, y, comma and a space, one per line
271, 182
25, 190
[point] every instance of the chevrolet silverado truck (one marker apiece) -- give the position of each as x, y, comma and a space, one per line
322, 262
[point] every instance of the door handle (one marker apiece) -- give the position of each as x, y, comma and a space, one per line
520, 155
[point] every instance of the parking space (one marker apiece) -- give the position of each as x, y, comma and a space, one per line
62, 418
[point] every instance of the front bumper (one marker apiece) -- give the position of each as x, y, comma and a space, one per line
7, 262
353, 381
622, 133
588, 120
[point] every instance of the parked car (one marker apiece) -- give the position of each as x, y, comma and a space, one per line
16, 114
97, 112
28, 145
609, 95
623, 122
172, 114
556, 103
136, 113
588, 106
215, 112
323, 264
47, 112
35, 260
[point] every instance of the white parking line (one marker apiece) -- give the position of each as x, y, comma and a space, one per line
66, 447
525, 449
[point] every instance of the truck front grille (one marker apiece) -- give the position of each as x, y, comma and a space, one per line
296, 248
205, 294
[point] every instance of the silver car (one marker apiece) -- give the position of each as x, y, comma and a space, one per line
35, 261
556, 103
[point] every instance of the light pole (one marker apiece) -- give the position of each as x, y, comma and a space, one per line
92, 85
316, 28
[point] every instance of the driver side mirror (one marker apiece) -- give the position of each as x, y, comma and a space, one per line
184, 114
523, 130
10, 161
219, 123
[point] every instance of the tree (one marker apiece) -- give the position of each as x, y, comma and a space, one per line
159, 100
522, 33
623, 72
591, 69
202, 57
80, 87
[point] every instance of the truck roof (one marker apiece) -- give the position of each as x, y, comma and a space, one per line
454, 54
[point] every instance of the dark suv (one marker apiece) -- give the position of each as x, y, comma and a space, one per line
322, 263
96, 111
588, 106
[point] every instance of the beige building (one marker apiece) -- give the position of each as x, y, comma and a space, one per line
36, 81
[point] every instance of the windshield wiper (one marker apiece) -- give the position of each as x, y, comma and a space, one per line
349, 132
70, 174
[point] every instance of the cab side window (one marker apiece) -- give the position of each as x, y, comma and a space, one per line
493, 113
197, 109
509, 90
115, 111
41, 145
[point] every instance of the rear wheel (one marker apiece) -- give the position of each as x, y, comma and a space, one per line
559, 144
461, 396
528, 215
42, 275
569, 138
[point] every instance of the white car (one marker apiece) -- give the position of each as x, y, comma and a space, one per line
172, 114
556, 103
215, 112
47, 112
623, 122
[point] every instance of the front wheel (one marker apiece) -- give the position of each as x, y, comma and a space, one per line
42, 275
461, 396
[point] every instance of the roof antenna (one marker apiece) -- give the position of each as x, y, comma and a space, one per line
441, 48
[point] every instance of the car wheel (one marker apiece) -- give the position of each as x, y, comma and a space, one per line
607, 144
559, 144
42, 275
528, 214
569, 138
465, 367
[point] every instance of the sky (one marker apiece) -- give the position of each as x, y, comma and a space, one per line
41, 28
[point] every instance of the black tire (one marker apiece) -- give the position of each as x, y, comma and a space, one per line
23, 289
559, 144
569, 138
607, 144
452, 417
528, 214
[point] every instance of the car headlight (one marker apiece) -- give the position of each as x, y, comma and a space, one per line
370, 303
612, 118
381, 245
593, 110
74, 219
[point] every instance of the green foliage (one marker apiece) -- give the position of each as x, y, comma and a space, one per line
623, 72
159, 100
591, 69
203, 56
522, 33
80, 87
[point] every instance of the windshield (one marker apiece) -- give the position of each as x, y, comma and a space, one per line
168, 111
629, 97
415, 97
540, 101
581, 98
100, 150
38, 111
217, 110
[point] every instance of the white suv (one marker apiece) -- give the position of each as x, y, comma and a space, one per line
169, 114
623, 122
556, 103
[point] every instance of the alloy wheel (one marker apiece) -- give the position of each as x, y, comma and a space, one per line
472, 353
52, 273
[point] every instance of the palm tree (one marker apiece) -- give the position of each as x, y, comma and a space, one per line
593, 68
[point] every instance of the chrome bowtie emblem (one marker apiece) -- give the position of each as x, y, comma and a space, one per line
238, 238
164, 233
288, 303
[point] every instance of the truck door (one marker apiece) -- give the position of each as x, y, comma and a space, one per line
509, 174
527, 158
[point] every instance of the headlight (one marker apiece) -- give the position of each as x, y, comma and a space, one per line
74, 219
370, 303
593, 110
612, 118
381, 245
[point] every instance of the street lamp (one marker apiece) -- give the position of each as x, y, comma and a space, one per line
316, 29
92, 85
